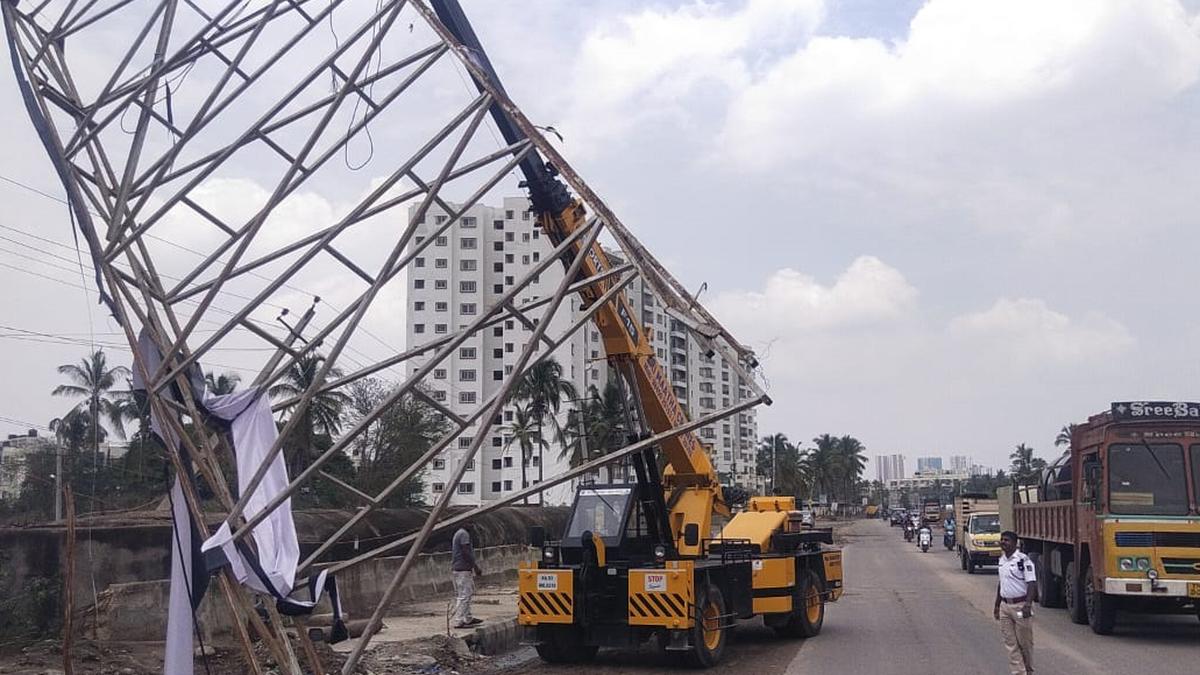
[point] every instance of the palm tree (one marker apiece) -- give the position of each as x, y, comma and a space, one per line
1025, 467
527, 433
822, 464
1064, 435
851, 461
323, 413
225, 383
92, 380
543, 388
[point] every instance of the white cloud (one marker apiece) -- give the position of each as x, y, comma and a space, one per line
1027, 332
868, 291
640, 66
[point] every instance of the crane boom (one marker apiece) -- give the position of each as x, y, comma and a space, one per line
689, 477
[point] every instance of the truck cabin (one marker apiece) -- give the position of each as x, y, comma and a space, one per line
1140, 459
983, 523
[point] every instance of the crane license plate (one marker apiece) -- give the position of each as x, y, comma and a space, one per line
1194, 590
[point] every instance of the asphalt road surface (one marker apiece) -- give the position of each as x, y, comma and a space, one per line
910, 612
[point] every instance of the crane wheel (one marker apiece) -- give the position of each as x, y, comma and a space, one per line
709, 634
806, 619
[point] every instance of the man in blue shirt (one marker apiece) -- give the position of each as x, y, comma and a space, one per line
465, 569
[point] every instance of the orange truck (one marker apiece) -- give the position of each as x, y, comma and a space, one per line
1115, 524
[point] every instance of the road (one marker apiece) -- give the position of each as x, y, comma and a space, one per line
907, 612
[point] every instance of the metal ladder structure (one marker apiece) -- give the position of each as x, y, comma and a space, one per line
144, 106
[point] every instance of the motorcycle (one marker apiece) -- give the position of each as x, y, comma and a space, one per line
948, 539
924, 539
908, 532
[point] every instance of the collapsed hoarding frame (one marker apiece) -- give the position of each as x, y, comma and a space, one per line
133, 191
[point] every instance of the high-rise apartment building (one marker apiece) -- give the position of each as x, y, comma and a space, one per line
960, 463
464, 272
889, 467
926, 464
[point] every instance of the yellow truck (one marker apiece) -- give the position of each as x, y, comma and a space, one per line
977, 518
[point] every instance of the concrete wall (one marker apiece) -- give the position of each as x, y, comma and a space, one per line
134, 549
138, 611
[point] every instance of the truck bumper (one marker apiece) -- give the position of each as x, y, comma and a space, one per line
1163, 588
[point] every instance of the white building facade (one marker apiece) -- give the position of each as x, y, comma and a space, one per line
465, 271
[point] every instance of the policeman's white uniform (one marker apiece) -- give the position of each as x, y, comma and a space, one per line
1016, 574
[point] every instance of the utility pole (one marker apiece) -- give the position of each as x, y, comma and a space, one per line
774, 454
58, 505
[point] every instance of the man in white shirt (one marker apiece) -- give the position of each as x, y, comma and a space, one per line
1014, 604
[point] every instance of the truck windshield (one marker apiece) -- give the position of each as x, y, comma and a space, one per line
600, 510
1147, 479
1196, 473
985, 524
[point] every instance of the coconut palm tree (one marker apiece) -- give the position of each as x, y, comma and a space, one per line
1025, 467
323, 415
1064, 435
596, 426
93, 381
851, 461
526, 432
543, 389
822, 464
225, 383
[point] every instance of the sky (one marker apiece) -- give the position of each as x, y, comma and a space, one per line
946, 227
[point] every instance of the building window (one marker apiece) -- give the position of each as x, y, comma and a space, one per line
497, 246
524, 260
533, 461
509, 281
524, 236
510, 236
438, 395
466, 353
440, 284
498, 267
469, 265
419, 239
498, 353
507, 485
466, 308
439, 373
497, 332
439, 328
495, 486
441, 306
496, 439
525, 215
468, 243
419, 283
536, 256
497, 224
440, 241
466, 397
536, 233
498, 289
466, 488
439, 464
468, 221
508, 213
441, 263
466, 375
496, 464
508, 347
466, 287
419, 306
464, 443
418, 262
508, 462
438, 220
439, 487
418, 328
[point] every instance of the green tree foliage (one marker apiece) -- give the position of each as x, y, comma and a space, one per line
1064, 436
93, 381
1026, 468
786, 475
526, 432
595, 425
321, 418
542, 388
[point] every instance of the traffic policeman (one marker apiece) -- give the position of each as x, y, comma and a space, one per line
1014, 604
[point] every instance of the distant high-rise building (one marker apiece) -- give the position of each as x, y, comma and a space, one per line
960, 463
889, 467
929, 464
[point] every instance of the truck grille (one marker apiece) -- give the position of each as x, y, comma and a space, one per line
1182, 566
1149, 539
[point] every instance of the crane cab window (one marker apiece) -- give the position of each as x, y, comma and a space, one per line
600, 510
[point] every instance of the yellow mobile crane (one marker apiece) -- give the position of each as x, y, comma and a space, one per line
638, 561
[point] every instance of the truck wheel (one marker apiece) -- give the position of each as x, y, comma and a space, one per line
962, 560
564, 644
1073, 595
1049, 593
808, 616
1101, 608
708, 636
970, 564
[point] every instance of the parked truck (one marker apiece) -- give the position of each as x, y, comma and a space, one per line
1116, 524
977, 517
931, 510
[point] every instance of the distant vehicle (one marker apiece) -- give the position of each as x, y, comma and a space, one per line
931, 510
899, 517
1113, 527
806, 518
980, 547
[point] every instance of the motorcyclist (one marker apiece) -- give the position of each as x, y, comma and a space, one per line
924, 536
